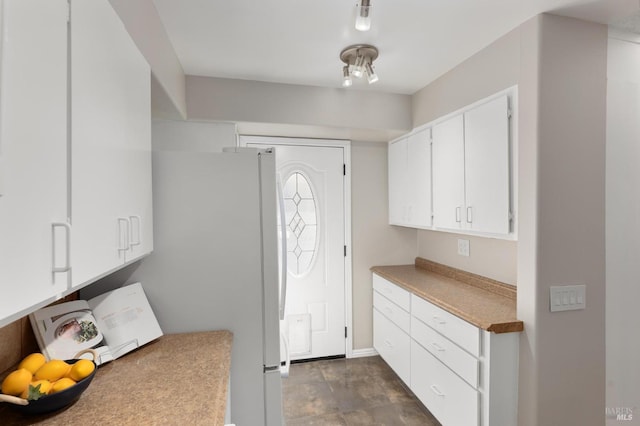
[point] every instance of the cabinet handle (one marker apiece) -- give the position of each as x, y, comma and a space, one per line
469, 214
437, 347
439, 320
435, 390
124, 242
133, 219
388, 343
458, 214
67, 231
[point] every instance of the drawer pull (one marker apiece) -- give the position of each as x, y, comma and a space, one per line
437, 347
439, 320
435, 390
388, 343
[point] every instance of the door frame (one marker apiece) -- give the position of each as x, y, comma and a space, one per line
242, 140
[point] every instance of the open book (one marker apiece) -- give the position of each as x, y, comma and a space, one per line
112, 323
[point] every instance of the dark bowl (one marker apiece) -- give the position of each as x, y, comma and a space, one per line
58, 400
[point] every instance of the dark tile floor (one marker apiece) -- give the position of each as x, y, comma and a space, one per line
356, 391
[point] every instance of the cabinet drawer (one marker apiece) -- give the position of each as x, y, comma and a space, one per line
452, 401
455, 329
397, 295
458, 360
392, 311
392, 344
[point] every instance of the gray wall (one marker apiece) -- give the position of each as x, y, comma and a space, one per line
143, 23
561, 190
623, 227
223, 99
374, 241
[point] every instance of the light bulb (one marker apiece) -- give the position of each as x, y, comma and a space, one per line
372, 77
357, 67
346, 77
363, 18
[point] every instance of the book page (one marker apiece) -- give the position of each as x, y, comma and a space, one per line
125, 318
65, 329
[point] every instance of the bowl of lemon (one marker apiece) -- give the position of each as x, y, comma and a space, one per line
39, 386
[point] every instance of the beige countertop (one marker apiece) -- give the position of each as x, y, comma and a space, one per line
177, 379
485, 303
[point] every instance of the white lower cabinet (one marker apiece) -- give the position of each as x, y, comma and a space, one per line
464, 375
445, 394
391, 328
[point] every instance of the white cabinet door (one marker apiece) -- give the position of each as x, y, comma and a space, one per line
110, 180
398, 180
410, 181
448, 173
486, 150
419, 174
393, 345
33, 147
447, 396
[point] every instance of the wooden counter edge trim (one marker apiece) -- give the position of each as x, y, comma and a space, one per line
498, 328
488, 284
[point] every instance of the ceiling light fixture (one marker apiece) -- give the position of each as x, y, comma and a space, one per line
359, 60
363, 17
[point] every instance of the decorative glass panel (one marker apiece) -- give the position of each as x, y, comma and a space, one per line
301, 220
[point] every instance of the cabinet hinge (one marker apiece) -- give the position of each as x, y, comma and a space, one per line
345, 251
509, 113
510, 216
344, 170
345, 332
68, 11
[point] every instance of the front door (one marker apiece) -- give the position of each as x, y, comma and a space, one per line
312, 178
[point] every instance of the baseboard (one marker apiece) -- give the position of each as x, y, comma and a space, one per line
360, 353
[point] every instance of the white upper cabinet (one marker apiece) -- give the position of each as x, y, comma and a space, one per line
33, 152
486, 160
410, 180
471, 170
398, 181
111, 143
448, 173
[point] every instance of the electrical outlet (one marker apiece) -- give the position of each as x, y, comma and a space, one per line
463, 247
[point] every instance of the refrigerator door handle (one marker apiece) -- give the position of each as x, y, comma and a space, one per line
283, 247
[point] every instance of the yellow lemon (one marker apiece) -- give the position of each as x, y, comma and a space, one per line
45, 387
16, 382
33, 362
61, 385
52, 370
81, 369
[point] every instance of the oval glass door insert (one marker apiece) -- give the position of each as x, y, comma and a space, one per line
302, 225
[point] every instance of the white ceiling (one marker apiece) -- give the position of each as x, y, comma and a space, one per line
299, 41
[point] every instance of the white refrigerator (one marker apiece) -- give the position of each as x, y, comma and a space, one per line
215, 265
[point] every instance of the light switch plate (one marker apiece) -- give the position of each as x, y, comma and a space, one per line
463, 247
567, 298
